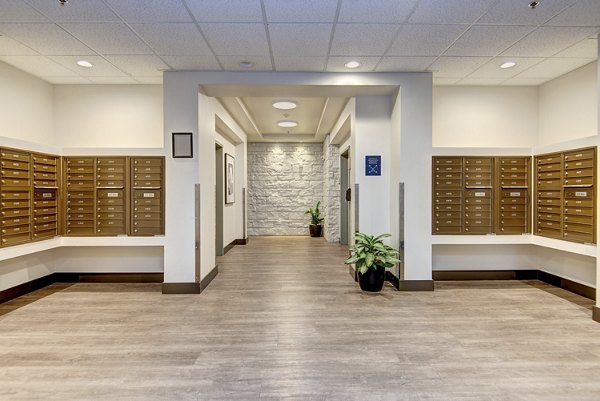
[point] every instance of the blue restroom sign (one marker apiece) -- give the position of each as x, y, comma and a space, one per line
373, 165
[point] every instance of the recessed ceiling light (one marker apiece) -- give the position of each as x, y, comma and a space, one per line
352, 64
285, 104
508, 64
85, 64
246, 64
287, 123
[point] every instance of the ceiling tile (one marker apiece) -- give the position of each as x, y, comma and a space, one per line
336, 64
305, 39
487, 40
300, 11
444, 81
10, 47
553, 67
582, 13
450, 11
377, 12
404, 64
547, 41
524, 81
147, 66
236, 39
226, 10
587, 48
456, 67
362, 39
110, 38
38, 66
173, 38
112, 80
150, 10
202, 63
102, 68
492, 68
75, 11
425, 40
67, 80
19, 11
511, 12
481, 81
300, 63
149, 80
232, 63
45, 38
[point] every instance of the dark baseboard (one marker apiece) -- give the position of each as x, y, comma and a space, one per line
395, 281
416, 285
39, 283
352, 272
209, 278
181, 288
242, 241
596, 313
549, 278
229, 247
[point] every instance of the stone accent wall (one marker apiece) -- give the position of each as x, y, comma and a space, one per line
284, 179
331, 190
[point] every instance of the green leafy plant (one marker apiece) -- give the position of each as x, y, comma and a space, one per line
315, 214
369, 252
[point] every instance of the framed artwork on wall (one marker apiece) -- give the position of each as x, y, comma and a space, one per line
183, 145
229, 179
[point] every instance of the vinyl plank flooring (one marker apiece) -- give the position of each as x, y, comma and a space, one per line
283, 320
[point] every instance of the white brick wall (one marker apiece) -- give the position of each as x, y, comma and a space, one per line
284, 179
331, 191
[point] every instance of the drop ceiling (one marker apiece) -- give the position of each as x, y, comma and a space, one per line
462, 42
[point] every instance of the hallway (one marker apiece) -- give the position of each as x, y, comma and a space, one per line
284, 320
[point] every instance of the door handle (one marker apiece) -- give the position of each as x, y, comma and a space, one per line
348, 195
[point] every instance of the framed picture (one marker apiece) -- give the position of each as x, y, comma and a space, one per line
182, 145
229, 178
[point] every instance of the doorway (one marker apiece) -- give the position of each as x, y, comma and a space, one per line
219, 203
345, 197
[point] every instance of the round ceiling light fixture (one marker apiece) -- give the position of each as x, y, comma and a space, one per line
246, 64
287, 123
352, 64
84, 64
508, 64
285, 104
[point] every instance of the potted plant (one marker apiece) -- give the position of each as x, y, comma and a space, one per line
315, 220
371, 257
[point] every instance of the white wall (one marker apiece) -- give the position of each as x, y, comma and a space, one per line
26, 106
484, 116
568, 106
100, 259
113, 116
395, 153
27, 268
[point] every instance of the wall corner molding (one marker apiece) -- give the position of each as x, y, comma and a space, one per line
209, 278
181, 288
596, 313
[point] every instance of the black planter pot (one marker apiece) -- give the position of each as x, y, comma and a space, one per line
372, 280
315, 230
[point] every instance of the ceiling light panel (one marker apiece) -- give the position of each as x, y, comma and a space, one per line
363, 39
287, 123
45, 39
425, 40
237, 39
230, 10
449, 11
174, 39
110, 38
487, 40
306, 39
75, 11
151, 10
300, 11
376, 12
285, 104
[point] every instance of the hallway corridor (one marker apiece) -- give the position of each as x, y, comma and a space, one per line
283, 320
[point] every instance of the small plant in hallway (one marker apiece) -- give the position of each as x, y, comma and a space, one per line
371, 257
315, 227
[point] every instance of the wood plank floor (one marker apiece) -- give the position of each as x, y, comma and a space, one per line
284, 320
